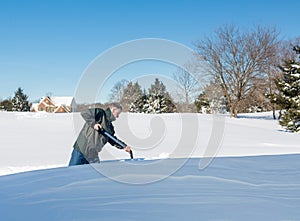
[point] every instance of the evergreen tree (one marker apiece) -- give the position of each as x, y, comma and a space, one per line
158, 99
288, 98
138, 105
132, 92
20, 101
158, 88
202, 104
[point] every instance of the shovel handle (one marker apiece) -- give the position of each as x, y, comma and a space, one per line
131, 154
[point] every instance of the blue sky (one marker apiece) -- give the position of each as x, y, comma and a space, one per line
45, 45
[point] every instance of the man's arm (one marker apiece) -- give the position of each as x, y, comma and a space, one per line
118, 143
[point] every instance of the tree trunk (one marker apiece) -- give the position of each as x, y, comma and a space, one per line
187, 102
274, 112
230, 110
280, 114
235, 113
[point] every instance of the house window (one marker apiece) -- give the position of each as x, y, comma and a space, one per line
42, 109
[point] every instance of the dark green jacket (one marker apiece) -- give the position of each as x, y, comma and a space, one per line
90, 142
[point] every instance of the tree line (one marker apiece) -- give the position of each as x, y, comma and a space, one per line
242, 69
244, 65
19, 102
251, 70
155, 100
234, 70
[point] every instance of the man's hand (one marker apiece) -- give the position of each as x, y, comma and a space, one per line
97, 127
127, 149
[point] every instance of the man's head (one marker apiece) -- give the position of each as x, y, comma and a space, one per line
115, 109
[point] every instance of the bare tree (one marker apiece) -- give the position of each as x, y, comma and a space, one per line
117, 91
285, 52
236, 59
187, 84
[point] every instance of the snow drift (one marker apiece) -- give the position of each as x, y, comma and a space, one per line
244, 187
231, 188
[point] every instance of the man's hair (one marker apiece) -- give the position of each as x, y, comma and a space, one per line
116, 105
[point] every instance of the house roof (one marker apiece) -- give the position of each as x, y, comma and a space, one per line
62, 100
34, 106
44, 101
62, 106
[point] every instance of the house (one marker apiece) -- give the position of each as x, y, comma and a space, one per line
55, 105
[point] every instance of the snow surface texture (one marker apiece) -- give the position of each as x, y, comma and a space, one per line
231, 188
32, 141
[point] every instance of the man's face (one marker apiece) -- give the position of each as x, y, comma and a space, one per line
116, 112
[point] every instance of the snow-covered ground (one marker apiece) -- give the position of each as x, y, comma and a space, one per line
39, 140
238, 188
254, 177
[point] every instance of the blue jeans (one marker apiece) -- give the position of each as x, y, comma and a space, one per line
77, 158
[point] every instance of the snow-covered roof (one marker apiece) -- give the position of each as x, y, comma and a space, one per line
34, 105
62, 100
62, 106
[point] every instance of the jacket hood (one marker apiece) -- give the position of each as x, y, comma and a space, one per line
109, 115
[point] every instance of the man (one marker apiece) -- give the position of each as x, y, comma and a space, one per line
90, 141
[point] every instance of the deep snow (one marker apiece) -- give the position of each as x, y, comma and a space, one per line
245, 187
39, 140
232, 188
